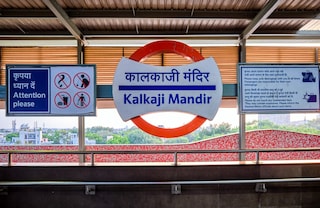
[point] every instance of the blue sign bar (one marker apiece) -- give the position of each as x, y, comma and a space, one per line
166, 87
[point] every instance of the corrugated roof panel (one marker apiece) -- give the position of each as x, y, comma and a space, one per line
18, 4
204, 4
206, 17
163, 24
165, 4
283, 24
158, 24
100, 24
232, 5
150, 4
95, 4
313, 25
300, 5
213, 24
27, 24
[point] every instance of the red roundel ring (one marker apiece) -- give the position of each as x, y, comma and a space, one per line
185, 51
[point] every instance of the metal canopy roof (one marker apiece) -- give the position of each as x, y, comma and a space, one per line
83, 19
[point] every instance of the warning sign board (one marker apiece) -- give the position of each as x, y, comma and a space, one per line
51, 90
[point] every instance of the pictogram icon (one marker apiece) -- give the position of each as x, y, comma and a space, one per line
62, 100
62, 80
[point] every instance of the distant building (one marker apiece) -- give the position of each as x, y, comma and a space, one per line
28, 137
2, 138
24, 127
74, 138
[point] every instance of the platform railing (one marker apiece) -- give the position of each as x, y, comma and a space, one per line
189, 182
175, 153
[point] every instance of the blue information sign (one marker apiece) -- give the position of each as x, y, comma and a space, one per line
271, 88
28, 90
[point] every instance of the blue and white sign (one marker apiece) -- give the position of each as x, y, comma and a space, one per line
140, 88
274, 88
51, 90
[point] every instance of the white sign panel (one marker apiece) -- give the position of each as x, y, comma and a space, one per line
272, 88
73, 90
140, 88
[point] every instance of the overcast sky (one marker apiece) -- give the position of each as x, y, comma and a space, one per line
111, 118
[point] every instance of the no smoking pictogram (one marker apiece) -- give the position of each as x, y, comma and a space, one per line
62, 80
81, 99
81, 80
62, 100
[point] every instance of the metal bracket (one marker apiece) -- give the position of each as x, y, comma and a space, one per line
3, 190
261, 188
176, 189
90, 190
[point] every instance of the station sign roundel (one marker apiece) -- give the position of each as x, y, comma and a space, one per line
140, 88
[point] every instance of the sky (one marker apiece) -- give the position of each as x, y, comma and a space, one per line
111, 118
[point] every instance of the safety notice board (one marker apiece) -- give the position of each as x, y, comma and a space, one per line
58, 90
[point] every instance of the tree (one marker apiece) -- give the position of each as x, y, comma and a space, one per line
11, 135
118, 139
136, 136
61, 136
177, 140
96, 137
103, 132
223, 128
53, 136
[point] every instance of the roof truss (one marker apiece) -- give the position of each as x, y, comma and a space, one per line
64, 19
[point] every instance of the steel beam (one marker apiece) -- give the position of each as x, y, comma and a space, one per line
264, 13
148, 13
64, 19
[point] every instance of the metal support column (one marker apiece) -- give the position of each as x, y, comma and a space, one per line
242, 117
81, 120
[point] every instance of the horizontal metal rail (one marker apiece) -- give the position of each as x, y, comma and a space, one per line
9, 153
120, 183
